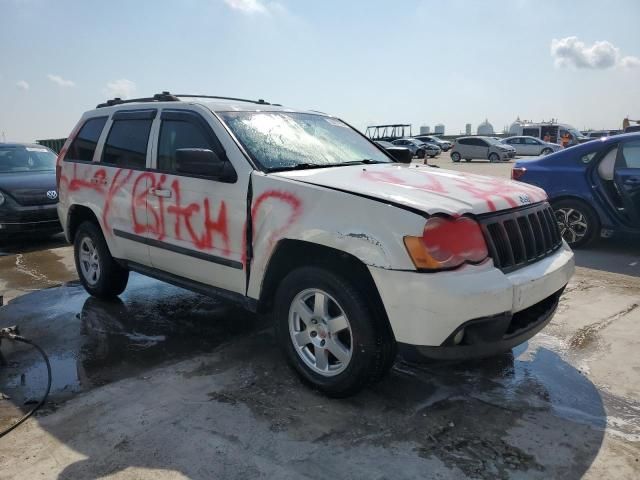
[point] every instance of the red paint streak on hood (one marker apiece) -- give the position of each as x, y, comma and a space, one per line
427, 189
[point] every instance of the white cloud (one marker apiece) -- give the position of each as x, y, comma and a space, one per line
247, 6
22, 85
630, 62
122, 88
571, 52
57, 79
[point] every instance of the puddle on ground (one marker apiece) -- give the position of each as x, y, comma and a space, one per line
92, 342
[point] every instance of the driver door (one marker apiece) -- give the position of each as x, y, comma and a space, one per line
627, 178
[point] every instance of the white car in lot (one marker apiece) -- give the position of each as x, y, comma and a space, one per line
297, 214
531, 145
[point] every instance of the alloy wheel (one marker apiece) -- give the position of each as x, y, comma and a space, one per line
320, 332
572, 224
89, 261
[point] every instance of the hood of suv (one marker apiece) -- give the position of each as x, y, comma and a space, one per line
423, 188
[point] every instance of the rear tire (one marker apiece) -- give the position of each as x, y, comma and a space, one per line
455, 157
578, 222
329, 333
99, 273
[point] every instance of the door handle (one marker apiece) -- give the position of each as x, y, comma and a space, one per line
98, 181
159, 192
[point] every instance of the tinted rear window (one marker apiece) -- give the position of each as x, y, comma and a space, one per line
126, 145
84, 145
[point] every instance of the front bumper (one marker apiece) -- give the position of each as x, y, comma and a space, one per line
427, 309
31, 219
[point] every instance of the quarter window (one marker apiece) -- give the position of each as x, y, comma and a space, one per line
126, 145
84, 145
177, 134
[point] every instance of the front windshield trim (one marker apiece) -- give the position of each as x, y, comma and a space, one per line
375, 153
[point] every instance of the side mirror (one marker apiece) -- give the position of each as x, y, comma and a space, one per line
199, 161
400, 154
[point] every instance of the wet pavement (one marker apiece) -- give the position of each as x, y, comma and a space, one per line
137, 380
91, 342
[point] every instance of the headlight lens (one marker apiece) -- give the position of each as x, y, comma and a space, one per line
447, 243
1, 198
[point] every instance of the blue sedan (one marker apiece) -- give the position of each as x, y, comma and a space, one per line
594, 187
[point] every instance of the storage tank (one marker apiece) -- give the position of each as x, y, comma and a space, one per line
425, 130
485, 128
439, 129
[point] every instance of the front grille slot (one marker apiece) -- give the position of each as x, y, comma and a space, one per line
520, 237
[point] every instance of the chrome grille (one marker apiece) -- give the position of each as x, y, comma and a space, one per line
519, 237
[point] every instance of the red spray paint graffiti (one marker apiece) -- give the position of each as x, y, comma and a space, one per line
486, 189
193, 222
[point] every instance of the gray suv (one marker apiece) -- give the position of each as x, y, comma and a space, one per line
483, 148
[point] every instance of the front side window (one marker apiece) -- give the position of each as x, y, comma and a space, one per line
26, 159
631, 154
84, 145
126, 145
178, 134
285, 140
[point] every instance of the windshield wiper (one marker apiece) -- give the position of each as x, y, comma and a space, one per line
306, 166
302, 166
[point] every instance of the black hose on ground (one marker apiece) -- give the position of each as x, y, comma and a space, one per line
11, 333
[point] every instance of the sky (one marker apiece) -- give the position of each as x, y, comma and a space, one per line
368, 62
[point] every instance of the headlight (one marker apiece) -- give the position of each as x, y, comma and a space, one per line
1, 198
447, 243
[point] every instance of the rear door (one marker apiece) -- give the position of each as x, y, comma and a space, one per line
123, 161
198, 218
627, 178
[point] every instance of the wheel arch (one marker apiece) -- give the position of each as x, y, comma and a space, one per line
75, 216
290, 254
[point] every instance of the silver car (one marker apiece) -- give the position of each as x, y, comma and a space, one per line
531, 145
481, 147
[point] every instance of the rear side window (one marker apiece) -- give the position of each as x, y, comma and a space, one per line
177, 134
84, 145
631, 154
126, 145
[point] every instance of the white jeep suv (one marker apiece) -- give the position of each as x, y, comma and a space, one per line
298, 214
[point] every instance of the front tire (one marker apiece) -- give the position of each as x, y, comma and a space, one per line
578, 222
329, 333
455, 157
546, 151
494, 157
99, 273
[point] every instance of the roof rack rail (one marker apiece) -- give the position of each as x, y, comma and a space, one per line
171, 97
259, 101
158, 97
